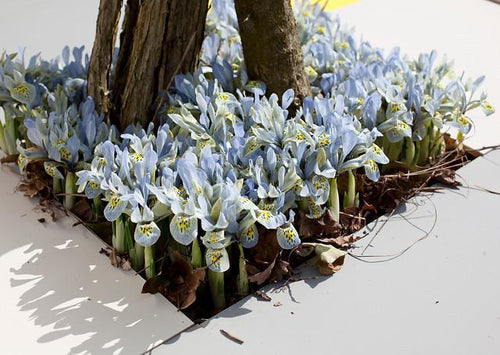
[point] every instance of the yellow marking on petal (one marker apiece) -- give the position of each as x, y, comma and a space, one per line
371, 165
344, 45
145, 230
323, 140
215, 258
114, 202
289, 234
266, 215
137, 157
253, 145
223, 97
183, 223
300, 136
65, 154
93, 185
402, 125
310, 71
360, 101
320, 182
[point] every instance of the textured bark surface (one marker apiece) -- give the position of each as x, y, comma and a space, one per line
121, 71
166, 41
160, 38
102, 53
271, 45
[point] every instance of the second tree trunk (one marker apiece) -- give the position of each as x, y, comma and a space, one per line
271, 45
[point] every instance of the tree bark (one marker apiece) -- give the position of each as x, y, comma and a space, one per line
160, 39
166, 41
121, 71
98, 84
271, 45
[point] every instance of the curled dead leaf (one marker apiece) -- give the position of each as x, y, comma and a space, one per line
262, 296
177, 280
328, 258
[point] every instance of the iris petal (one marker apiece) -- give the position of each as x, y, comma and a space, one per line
114, 208
249, 237
184, 229
217, 259
147, 234
287, 236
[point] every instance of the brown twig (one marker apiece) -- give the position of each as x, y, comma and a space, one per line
231, 337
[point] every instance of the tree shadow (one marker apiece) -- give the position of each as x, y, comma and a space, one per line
70, 291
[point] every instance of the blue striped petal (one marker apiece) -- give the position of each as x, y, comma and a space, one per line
147, 234
24, 93
92, 189
371, 170
52, 170
184, 229
287, 236
114, 208
217, 259
249, 237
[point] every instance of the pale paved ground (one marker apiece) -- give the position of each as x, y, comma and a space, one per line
60, 296
441, 297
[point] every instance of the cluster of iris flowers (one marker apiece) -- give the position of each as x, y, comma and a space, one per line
228, 161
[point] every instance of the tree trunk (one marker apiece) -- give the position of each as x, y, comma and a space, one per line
160, 38
271, 45
98, 85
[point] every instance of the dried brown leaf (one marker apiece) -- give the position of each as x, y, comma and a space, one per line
325, 226
262, 296
264, 275
328, 258
182, 281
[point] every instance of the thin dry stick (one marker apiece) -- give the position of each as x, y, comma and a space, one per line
422, 186
231, 337
396, 255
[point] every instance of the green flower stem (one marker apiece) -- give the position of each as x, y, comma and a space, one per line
97, 206
119, 243
11, 136
69, 190
408, 151
424, 150
350, 194
416, 156
394, 150
216, 282
333, 200
149, 261
196, 257
129, 240
438, 145
56, 186
137, 257
3, 141
242, 276
303, 205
